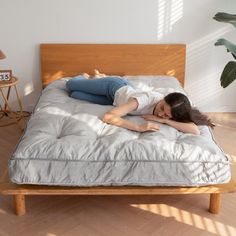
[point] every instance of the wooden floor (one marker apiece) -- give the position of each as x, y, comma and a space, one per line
120, 215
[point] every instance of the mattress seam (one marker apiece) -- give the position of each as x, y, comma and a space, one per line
165, 161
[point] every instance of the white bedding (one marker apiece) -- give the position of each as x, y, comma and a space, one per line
66, 143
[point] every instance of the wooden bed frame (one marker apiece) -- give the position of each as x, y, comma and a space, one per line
59, 60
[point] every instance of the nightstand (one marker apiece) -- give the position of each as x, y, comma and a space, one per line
7, 115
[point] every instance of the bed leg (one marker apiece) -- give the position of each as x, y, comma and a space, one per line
19, 204
215, 200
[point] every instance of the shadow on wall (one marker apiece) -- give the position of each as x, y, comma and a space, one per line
203, 69
32, 88
169, 12
203, 61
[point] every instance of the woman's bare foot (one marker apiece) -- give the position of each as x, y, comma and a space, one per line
98, 75
87, 76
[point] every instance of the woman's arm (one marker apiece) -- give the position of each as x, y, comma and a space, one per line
183, 127
114, 117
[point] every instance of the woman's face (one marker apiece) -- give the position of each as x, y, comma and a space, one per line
162, 110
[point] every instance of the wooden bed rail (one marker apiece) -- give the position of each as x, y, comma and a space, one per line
20, 191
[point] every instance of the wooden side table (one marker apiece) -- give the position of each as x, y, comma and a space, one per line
7, 115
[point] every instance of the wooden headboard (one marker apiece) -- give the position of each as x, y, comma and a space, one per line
59, 60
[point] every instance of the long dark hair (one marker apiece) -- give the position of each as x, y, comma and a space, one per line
182, 111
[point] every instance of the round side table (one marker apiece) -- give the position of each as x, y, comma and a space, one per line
7, 115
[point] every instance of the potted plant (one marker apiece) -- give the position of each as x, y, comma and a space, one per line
229, 73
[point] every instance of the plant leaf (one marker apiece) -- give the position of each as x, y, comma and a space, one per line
229, 74
225, 17
229, 46
233, 55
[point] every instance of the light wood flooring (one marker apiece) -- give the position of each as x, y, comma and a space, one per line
120, 215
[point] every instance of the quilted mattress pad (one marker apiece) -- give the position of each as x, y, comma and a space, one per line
67, 144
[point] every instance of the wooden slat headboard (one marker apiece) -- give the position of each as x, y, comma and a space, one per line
59, 60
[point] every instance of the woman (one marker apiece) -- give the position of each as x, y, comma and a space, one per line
174, 109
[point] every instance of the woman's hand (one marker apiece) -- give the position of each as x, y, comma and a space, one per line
154, 118
183, 127
149, 126
114, 117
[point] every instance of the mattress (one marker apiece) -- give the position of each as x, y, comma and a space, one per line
67, 144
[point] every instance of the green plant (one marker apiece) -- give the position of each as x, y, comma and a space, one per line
229, 73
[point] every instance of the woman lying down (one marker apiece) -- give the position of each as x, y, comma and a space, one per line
174, 109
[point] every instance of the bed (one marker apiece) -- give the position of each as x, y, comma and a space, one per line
67, 60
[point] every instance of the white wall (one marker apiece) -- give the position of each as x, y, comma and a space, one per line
27, 23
